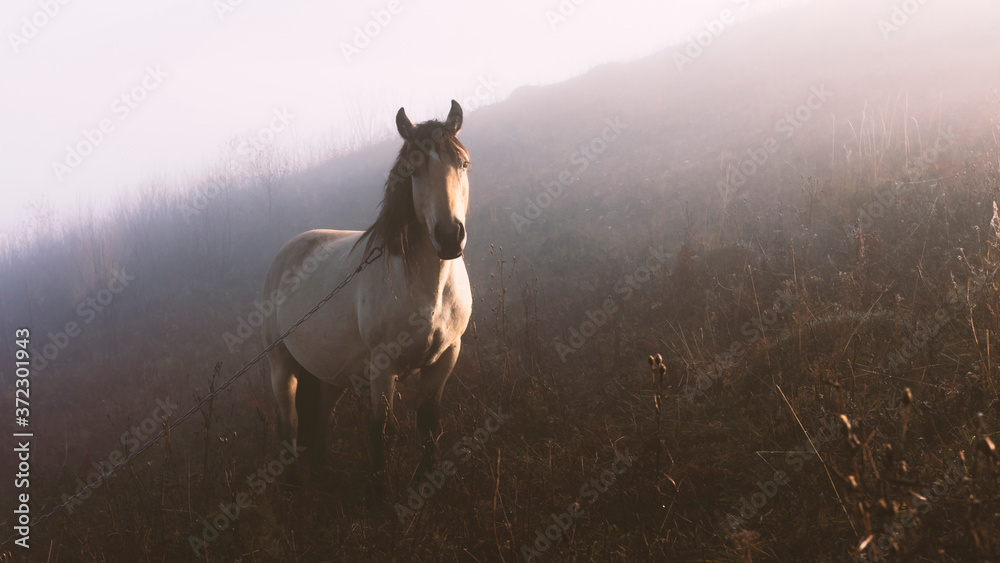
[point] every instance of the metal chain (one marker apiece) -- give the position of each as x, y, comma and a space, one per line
374, 255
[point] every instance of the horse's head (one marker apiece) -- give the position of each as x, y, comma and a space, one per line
440, 180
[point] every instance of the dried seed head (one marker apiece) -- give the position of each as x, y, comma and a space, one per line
663, 370
852, 482
652, 361
987, 446
659, 359
846, 422
907, 397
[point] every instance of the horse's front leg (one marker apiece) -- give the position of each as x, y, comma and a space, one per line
432, 380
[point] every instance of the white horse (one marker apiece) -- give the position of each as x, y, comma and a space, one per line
403, 314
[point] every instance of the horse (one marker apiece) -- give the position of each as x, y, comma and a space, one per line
406, 313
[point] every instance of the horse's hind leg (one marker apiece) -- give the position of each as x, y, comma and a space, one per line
283, 385
432, 380
308, 403
296, 392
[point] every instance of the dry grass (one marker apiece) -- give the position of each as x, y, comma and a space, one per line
839, 323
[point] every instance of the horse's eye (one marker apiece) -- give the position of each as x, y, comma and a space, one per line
466, 164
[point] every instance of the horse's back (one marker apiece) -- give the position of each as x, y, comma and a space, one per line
296, 250
299, 271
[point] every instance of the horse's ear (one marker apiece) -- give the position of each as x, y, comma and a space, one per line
404, 125
454, 123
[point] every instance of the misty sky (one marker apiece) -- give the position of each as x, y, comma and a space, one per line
172, 81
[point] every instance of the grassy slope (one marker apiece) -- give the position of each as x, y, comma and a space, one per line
857, 298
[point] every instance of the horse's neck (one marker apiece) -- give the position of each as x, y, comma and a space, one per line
429, 273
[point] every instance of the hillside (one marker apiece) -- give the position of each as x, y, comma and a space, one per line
789, 266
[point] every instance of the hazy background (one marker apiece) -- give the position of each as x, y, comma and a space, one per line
228, 67
842, 152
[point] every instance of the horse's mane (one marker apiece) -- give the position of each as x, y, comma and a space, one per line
397, 217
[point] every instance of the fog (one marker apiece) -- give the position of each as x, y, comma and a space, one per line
732, 268
222, 67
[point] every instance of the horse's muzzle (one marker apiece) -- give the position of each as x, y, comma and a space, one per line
450, 240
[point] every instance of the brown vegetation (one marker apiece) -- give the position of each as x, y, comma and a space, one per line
843, 301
